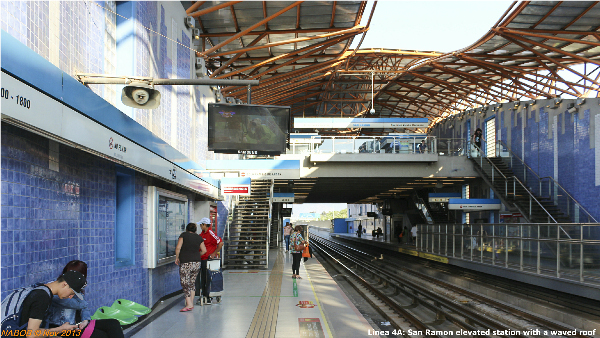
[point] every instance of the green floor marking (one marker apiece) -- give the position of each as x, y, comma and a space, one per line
295, 289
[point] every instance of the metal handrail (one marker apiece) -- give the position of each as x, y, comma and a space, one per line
556, 184
514, 189
418, 200
535, 199
453, 241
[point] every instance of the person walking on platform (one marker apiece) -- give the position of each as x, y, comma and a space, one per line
401, 235
298, 243
359, 231
413, 233
287, 231
188, 253
213, 244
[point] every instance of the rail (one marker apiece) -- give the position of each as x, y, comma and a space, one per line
405, 144
269, 225
551, 190
540, 248
428, 294
232, 204
423, 207
515, 180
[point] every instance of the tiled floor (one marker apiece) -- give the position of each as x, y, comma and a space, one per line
307, 303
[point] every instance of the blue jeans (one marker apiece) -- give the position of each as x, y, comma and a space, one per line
287, 242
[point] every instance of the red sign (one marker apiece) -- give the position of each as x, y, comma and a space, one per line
236, 190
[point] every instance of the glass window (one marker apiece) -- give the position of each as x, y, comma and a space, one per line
172, 215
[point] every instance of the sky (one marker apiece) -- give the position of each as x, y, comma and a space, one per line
441, 26
316, 207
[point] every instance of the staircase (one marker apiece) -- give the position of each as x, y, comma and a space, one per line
247, 244
437, 213
522, 197
275, 226
513, 192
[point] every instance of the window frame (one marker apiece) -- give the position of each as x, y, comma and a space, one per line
153, 245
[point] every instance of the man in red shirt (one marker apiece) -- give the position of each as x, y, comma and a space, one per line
213, 245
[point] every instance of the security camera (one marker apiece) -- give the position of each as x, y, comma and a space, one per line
190, 22
140, 95
372, 111
200, 67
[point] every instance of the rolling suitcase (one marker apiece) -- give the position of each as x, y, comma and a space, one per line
216, 281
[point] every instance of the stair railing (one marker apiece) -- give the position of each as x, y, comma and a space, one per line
547, 186
233, 202
423, 208
498, 175
269, 221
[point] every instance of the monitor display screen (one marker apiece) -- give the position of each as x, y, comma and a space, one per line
248, 129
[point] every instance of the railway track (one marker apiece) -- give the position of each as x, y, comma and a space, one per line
418, 305
571, 303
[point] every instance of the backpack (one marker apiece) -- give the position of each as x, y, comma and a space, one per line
12, 306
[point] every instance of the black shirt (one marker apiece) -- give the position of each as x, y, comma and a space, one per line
35, 306
190, 249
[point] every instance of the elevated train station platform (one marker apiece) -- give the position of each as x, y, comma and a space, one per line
264, 303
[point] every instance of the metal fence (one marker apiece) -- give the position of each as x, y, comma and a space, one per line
406, 144
568, 251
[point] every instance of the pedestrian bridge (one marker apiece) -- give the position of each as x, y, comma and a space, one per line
322, 169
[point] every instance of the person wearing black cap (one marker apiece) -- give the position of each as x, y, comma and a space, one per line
36, 304
75, 310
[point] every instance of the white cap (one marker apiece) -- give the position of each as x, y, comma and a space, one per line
205, 220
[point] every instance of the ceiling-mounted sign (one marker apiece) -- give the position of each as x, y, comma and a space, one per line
443, 197
236, 186
470, 205
283, 197
343, 123
258, 169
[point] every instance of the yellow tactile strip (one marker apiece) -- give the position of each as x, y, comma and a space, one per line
264, 322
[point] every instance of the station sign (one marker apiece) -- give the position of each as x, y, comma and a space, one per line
236, 186
443, 197
257, 169
469, 205
369, 123
283, 197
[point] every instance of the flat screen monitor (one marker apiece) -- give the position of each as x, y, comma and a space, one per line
248, 129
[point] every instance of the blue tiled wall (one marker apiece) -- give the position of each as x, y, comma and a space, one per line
50, 218
576, 159
545, 145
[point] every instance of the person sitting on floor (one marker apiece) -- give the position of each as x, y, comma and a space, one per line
75, 310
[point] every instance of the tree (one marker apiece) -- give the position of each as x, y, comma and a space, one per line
329, 215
